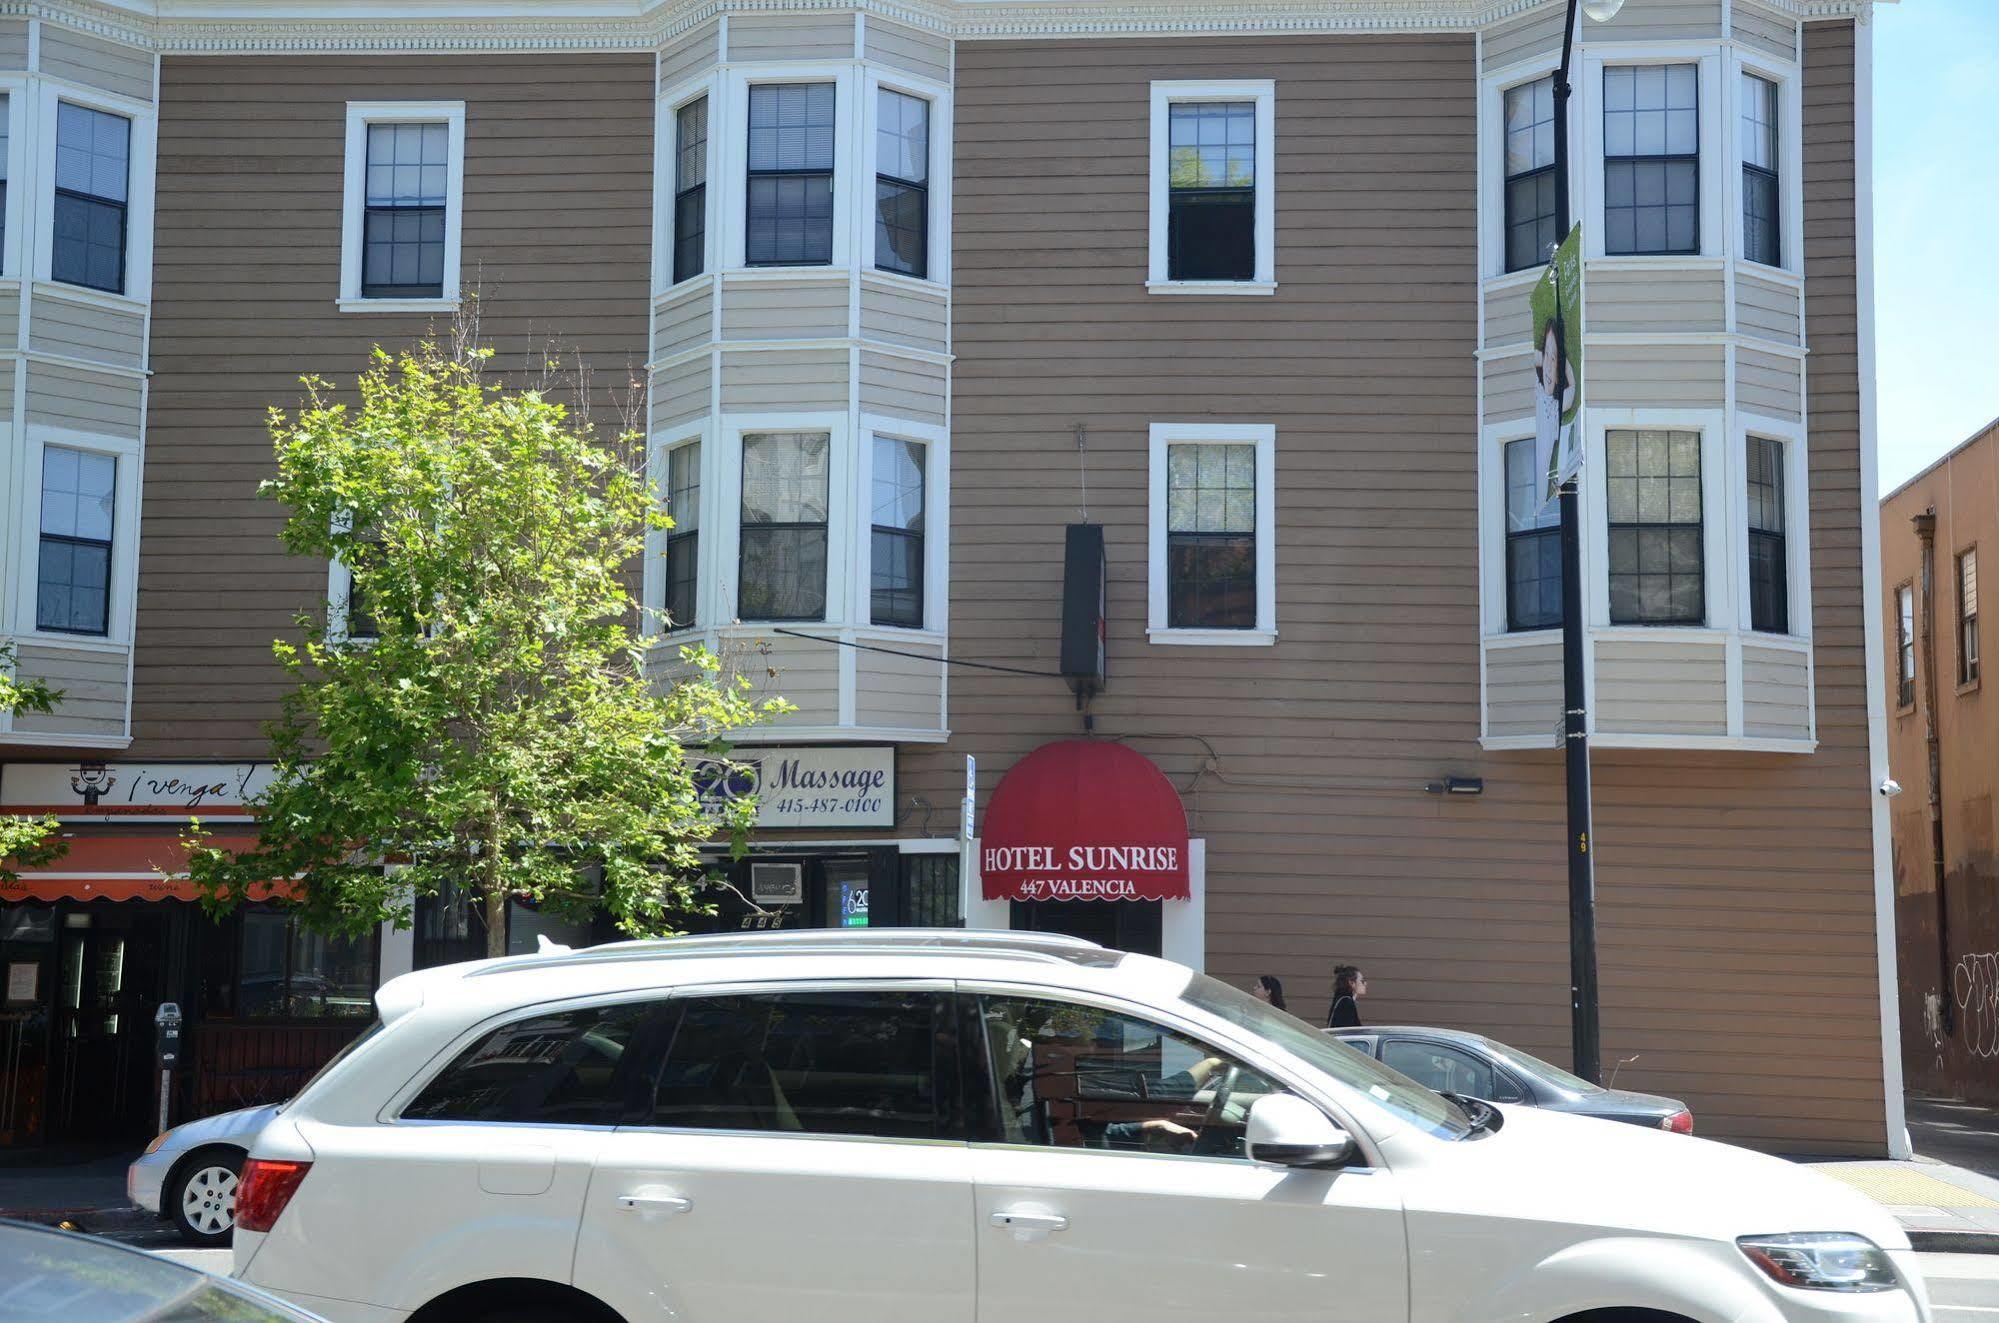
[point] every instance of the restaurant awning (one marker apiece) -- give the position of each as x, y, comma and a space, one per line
148, 865
1084, 820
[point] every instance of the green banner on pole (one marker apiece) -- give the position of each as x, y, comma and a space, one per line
1557, 307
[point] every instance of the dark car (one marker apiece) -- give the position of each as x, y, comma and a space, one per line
65, 1277
1452, 1061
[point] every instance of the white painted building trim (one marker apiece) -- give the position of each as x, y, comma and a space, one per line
1167, 93
40, 188
354, 200
1264, 437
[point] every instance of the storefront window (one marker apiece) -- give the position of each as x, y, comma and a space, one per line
289, 972
930, 890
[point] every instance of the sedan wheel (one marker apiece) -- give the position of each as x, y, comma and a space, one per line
205, 1205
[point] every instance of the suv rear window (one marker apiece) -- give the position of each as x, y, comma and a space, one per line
559, 1068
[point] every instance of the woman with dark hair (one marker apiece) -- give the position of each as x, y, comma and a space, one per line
1269, 988
1349, 986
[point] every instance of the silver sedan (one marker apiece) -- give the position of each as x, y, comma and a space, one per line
188, 1175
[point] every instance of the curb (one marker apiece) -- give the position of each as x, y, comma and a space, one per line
1954, 1242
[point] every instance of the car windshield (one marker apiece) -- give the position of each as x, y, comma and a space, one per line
336, 1059
1548, 1071
1394, 1093
62, 1275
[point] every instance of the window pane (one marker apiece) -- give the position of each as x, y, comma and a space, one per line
407, 165
690, 206
89, 248
683, 487
1653, 494
568, 1068
93, 148
877, 1064
1759, 122
683, 569
1215, 486
1212, 145
791, 127
332, 977
683, 543
784, 477
1651, 135
1761, 224
790, 219
1211, 235
783, 573
896, 571
402, 251
898, 500
902, 227
691, 139
261, 974
1074, 1076
1524, 486
902, 137
1211, 581
1435, 1066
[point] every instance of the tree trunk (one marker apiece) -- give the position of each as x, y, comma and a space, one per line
496, 895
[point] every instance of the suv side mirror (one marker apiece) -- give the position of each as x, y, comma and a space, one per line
1291, 1132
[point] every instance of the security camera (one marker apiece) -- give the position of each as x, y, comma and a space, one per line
1890, 787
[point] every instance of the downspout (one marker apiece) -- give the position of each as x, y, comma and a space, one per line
1926, 532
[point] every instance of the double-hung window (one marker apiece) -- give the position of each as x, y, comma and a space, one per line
781, 571
1657, 561
902, 184
6, 112
790, 208
402, 247
690, 190
1967, 616
1905, 645
1533, 545
1762, 225
73, 576
93, 180
1530, 174
1212, 540
1651, 159
1769, 555
683, 540
1211, 181
896, 549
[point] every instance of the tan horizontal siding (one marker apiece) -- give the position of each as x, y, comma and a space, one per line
904, 317
83, 400
557, 240
1523, 38
1654, 302
1776, 693
899, 692
1661, 20
902, 388
690, 56
790, 37
107, 65
1523, 690
784, 310
900, 46
87, 331
785, 380
1767, 309
683, 322
682, 391
92, 685
1769, 383
1648, 688
1764, 30
10, 319
14, 44
1657, 376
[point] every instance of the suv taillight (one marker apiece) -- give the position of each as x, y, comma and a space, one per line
266, 1188
1680, 1123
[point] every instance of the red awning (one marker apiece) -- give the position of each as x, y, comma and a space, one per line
148, 865
1084, 820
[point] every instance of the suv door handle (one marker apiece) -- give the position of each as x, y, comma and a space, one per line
652, 1207
1029, 1224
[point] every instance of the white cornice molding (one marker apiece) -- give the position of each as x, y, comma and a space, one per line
276, 27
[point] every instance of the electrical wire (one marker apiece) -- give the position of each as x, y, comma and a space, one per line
899, 652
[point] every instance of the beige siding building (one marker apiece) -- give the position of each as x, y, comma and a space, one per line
912, 292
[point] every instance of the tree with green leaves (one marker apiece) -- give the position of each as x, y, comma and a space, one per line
478, 714
25, 842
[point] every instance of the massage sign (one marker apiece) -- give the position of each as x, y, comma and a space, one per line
1084, 820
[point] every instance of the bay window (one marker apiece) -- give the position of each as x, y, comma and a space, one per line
896, 546
1657, 557
790, 185
73, 573
1651, 159
781, 573
902, 184
690, 190
1533, 545
683, 540
93, 170
1769, 556
1530, 173
1762, 218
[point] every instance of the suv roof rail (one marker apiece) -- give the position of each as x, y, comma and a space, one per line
1056, 946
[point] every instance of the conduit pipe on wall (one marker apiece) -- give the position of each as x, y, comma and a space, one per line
1926, 533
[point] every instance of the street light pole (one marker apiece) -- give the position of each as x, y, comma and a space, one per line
1585, 1046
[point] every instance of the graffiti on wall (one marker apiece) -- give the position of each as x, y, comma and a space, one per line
1975, 989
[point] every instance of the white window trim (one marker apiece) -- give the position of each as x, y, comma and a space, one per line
653, 579
1719, 151
937, 261
339, 590
354, 200
1722, 502
1264, 437
729, 188
120, 609
936, 522
724, 464
1166, 93
1790, 160
20, 112
1492, 523
139, 186
1492, 161
666, 180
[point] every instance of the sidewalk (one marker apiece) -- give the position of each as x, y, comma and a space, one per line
1948, 1197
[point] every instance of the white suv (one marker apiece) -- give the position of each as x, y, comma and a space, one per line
952, 1127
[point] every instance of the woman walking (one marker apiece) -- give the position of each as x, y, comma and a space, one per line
1270, 989
1349, 986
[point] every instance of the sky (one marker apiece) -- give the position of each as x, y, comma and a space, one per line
1936, 204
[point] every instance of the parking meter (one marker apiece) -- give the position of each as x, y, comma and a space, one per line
166, 1028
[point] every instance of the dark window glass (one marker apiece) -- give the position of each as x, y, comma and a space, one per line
1530, 173
288, 972
1769, 558
1444, 1069
73, 575
1651, 159
930, 891
1533, 545
581, 1067
690, 190
1211, 191
896, 555
402, 236
93, 159
902, 184
1762, 226
782, 567
790, 220
1967, 616
1073, 1076
1905, 646
6, 108
1653, 480
1210, 536
879, 1064
683, 540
